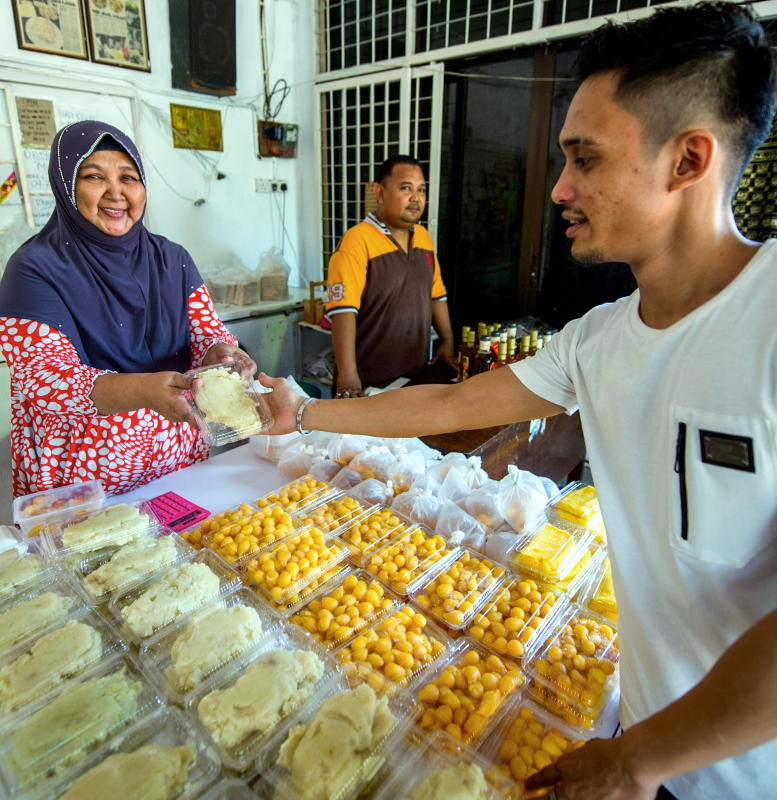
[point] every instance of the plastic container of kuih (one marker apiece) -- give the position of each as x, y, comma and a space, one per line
463, 693
20, 567
163, 755
394, 651
527, 738
439, 766
228, 789
296, 495
100, 532
48, 739
599, 594
342, 608
240, 708
575, 672
332, 512
40, 665
239, 540
102, 574
294, 602
454, 595
550, 551
335, 745
283, 570
580, 573
187, 653
225, 406
368, 534
578, 503
147, 607
512, 620
56, 506
42, 604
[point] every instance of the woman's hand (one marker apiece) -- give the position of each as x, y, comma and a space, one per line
223, 353
163, 392
283, 402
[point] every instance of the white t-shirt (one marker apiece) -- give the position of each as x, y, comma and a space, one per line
694, 405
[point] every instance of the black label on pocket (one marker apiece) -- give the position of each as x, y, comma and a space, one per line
725, 450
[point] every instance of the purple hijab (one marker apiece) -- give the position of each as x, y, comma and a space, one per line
121, 300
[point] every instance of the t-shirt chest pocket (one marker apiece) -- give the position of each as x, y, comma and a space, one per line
725, 485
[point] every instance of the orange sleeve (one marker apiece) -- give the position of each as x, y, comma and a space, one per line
347, 274
439, 291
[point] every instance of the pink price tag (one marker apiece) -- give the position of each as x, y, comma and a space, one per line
176, 512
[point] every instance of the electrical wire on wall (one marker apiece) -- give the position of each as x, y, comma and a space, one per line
281, 86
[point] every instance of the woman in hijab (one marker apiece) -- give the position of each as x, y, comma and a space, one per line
98, 320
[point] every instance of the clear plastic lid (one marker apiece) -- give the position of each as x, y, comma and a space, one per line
240, 708
342, 608
367, 728
41, 665
225, 405
100, 532
228, 789
295, 601
394, 651
296, 495
103, 574
454, 595
551, 551
164, 746
598, 593
579, 575
55, 734
189, 652
282, 571
574, 673
196, 534
463, 693
42, 604
578, 503
412, 558
239, 540
20, 568
368, 534
147, 607
443, 765
526, 738
332, 513
56, 506
512, 620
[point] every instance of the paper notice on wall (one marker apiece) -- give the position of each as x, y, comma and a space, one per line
42, 208
36, 168
67, 115
36, 120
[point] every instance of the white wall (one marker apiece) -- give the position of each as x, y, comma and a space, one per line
235, 219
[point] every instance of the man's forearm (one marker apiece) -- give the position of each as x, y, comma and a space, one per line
441, 320
344, 345
731, 710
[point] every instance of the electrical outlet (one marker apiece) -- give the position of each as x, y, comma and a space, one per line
264, 185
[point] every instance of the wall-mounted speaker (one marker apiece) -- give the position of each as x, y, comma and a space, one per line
202, 46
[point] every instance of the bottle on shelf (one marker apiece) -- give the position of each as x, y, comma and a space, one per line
466, 354
483, 359
533, 337
525, 346
502, 355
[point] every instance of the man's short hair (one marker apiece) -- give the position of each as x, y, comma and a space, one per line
387, 167
682, 65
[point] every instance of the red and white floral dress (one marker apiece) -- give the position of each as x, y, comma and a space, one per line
57, 435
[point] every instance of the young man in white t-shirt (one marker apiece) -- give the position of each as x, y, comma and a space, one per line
677, 391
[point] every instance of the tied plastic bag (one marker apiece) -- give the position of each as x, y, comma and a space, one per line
374, 462
273, 274
551, 489
344, 449
498, 545
372, 492
296, 462
521, 499
231, 282
420, 505
482, 506
346, 478
322, 469
474, 475
475, 541
408, 468
451, 518
439, 471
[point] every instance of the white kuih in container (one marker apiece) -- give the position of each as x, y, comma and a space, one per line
56, 506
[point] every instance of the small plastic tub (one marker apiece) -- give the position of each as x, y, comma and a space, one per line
513, 619
578, 503
454, 595
382, 723
39, 666
301, 493
391, 653
344, 607
168, 728
50, 739
102, 575
225, 406
527, 738
368, 534
235, 626
411, 559
19, 568
100, 533
54, 507
575, 672
239, 734
283, 570
599, 594
148, 607
332, 512
443, 765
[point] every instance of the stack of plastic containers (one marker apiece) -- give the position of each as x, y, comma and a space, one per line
599, 594
56, 506
578, 503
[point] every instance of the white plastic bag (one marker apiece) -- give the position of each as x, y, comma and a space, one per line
439, 470
482, 506
343, 449
420, 505
499, 545
451, 518
373, 491
271, 448
551, 488
374, 462
322, 469
474, 475
296, 462
346, 478
273, 274
454, 487
521, 499
475, 541
406, 470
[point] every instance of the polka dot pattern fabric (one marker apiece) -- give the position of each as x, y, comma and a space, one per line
57, 436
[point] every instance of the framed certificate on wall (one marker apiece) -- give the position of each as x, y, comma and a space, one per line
117, 33
51, 26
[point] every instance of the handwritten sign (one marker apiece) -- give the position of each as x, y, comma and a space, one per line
42, 208
36, 166
36, 120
